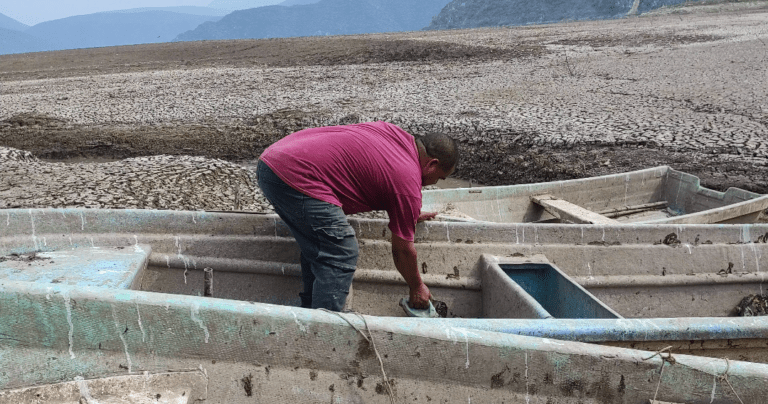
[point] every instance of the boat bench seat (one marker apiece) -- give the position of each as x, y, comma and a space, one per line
570, 213
533, 287
108, 267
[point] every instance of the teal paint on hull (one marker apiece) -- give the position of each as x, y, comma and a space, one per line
176, 332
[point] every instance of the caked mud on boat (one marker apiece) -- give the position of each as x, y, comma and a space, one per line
655, 195
92, 300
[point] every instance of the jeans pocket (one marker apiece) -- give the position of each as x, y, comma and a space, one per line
337, 232
327, 218
335, 238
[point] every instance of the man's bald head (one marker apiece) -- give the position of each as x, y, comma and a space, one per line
441, 147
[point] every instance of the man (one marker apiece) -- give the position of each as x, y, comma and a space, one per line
315, 177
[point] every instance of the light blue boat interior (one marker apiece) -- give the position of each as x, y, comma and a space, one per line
556, 292
543, 288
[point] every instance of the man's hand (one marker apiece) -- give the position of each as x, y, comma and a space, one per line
419, 298
426, 216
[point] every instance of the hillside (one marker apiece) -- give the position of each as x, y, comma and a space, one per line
297, 2
327, 17
12, 41
179, 9
240, 4
110, 29
494, 13
9, 23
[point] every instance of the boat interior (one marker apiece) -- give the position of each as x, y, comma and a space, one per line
654, 195
489, 271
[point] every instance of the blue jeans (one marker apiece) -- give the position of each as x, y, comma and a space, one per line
327, 241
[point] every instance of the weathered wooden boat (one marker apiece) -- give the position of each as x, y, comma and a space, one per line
654, 195
109, 305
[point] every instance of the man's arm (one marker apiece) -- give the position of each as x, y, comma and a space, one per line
404, 254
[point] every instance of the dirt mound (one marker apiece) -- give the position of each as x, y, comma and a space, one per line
378, 51
34, 120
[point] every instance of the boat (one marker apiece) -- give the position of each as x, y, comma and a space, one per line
89, 344
655, 195
201, 306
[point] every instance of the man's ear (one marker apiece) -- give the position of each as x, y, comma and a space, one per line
433, 163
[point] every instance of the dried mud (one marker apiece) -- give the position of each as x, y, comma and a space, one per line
718, 137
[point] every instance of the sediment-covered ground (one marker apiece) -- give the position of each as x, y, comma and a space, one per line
684, 87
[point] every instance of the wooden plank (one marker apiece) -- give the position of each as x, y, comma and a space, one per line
568, 212
630, 210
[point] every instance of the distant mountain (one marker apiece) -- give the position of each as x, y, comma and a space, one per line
494, 13
9, 23
233, 5
326, 17
12, 41
112, 29
241, 4
180, 9
297, 2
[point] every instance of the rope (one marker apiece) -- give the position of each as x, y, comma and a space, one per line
724, 377
659, 384
381, 363
369, 339
669, 358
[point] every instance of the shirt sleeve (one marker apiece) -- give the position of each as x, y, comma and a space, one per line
403, 214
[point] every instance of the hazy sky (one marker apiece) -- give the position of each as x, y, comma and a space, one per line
31, 12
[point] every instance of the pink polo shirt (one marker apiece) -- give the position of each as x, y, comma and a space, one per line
362, 167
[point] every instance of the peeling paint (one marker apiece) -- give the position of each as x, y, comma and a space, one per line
195, 318
68, 306
122, 338
517, 239
85, 394
527, 392
141, 327
302, 327
136, 245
